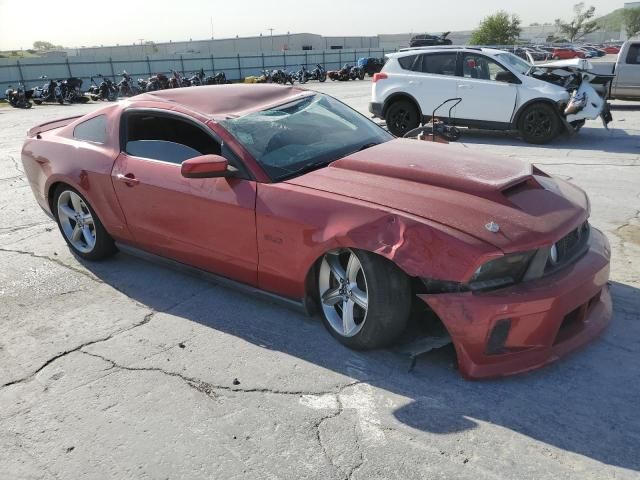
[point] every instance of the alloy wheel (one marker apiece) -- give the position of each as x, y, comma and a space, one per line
537, 123
76, 221
343, 292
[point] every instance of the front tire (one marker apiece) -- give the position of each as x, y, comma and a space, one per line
80, 226
365, 299
539, 124
401, 117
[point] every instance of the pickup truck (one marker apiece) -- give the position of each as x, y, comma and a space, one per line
626, 83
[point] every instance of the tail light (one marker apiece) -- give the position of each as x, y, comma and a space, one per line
379, 76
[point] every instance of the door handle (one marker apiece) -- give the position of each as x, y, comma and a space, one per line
129, 179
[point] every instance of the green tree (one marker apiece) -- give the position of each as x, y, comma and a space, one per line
581, 24
500, 28
631, 19
42, 45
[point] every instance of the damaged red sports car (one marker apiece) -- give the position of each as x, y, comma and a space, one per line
292, 192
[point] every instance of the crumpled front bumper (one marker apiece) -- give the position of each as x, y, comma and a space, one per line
529, 325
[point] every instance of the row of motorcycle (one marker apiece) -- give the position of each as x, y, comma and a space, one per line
103, 88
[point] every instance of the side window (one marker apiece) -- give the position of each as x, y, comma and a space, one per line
480, 67
439, 63
167, 139
407, 62
633, 55
93, 130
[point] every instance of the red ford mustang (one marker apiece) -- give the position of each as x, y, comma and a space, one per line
294, 193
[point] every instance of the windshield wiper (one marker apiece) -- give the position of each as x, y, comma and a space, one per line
367, 145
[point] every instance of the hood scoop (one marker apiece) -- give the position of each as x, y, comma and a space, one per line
449, 167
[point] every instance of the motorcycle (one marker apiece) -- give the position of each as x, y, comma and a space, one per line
217, 79
157, 82
319, 73
19, 97
302, 75
178, 81
198, 78
49, 92
126, 88
282, 77
72, 90
143, 84
342, 75
107, 90
356, 73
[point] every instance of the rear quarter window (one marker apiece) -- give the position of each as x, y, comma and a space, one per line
93, 130
407, 62
633, 55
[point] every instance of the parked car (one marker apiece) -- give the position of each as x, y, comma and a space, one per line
312, 202
428, 40
625, 85
565, 53
499, 91
611, 49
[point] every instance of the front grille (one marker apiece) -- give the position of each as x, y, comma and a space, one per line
569, 248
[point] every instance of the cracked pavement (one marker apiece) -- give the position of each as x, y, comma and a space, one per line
126, 369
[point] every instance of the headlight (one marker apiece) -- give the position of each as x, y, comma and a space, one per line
501, 272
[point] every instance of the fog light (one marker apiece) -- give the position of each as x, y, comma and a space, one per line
498, 337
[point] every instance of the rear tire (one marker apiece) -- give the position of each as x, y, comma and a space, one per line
401, 117
80, 226
365, 299
539, 124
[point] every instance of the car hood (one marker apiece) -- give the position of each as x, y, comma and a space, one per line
450, 185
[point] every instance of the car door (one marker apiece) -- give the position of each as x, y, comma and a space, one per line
208, 223
484, 99
431, 78
627, 80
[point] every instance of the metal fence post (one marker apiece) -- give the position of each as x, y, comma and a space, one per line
239, 68
148, 65
306, 59
284, 58
339, 58
113, 73
213, 64
20, 70
68, 66
182, 63
262, 56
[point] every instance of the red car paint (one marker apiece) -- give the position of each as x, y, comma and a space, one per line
565, 54
611, 50
422, 205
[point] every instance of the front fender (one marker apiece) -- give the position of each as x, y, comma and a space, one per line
296, 226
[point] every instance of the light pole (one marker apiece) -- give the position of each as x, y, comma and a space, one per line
271, 32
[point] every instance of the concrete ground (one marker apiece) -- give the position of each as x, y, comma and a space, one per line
127, 370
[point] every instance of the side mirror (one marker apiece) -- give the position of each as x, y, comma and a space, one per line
507, 77
207, 166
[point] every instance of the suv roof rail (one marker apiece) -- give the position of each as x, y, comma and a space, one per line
440, 47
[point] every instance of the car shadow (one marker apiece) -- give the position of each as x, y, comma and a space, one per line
586, 404
614, 140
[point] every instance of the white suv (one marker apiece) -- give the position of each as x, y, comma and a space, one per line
499, 91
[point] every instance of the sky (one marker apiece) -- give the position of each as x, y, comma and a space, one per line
129, 21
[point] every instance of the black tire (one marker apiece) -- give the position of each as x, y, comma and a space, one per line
104, 246
389, 304
401, 117
323, 78
539, 124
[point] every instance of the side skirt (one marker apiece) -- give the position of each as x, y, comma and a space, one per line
298, 305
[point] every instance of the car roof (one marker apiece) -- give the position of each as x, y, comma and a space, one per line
446, 48
225, 101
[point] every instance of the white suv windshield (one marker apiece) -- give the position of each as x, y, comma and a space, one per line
303, 135
515, 62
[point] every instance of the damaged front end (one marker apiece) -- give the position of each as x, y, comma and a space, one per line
587, 90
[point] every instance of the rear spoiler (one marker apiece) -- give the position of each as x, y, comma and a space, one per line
45, 127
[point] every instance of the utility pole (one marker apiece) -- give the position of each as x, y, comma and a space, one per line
271, 31
211, 19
